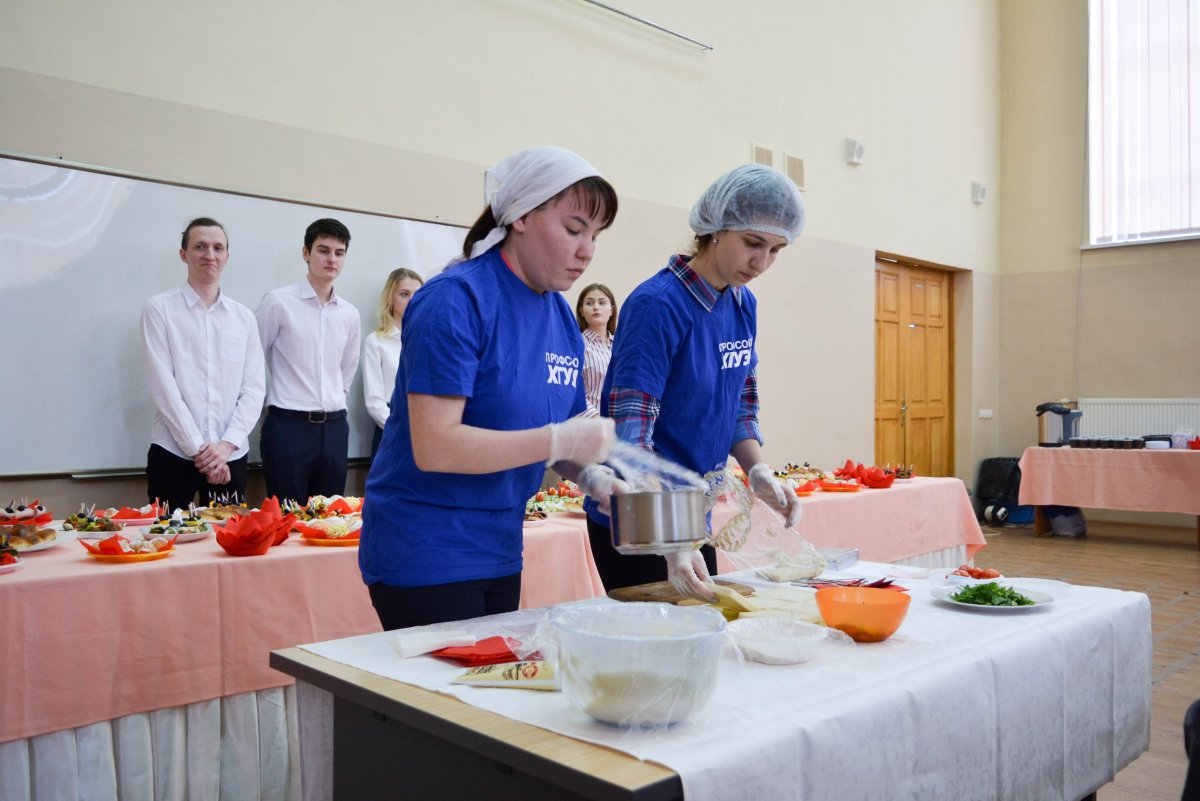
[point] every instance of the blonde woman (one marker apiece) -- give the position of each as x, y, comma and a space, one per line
596, 313
381, 350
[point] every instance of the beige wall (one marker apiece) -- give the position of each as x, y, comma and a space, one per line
1112, 322
1109, 322
395, 107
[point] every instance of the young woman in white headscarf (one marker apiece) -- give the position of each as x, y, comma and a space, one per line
682, 381
486, 397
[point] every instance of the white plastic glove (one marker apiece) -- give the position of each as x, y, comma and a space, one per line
600, 482
582, 440
687, 573
775, 494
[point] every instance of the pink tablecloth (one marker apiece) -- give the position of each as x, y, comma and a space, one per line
908, 519
558, 563
85, 641
1103, 478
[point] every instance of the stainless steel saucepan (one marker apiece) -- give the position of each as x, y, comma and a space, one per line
658, 522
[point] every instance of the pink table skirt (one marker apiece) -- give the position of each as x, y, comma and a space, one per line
86, 641
558, 563
908, 519
1103, 478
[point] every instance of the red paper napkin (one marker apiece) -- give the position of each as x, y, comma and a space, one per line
489, 651
128, 513
253, 534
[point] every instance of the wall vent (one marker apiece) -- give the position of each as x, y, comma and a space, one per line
762, 155
794, 167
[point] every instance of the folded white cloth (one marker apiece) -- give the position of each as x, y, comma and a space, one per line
415, 643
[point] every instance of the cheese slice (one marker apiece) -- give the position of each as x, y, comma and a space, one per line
731, 599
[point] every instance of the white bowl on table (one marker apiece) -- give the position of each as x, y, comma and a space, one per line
638, 664
776, 640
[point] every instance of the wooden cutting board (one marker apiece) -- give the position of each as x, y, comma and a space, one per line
663, 592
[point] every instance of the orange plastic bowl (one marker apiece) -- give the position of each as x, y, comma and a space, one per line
867, 614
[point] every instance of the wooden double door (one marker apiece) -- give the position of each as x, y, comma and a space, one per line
913, 368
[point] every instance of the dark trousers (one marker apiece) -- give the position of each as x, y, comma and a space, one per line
617, 570
401, 607
376, 438
302, 459
176, 481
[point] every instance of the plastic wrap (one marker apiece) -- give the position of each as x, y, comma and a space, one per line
645, 471
754, 536
636, 665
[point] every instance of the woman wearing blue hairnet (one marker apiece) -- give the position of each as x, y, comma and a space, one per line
682, 378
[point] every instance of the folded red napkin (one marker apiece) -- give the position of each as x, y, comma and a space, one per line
343, 507
128, 513
253, 534
489, 651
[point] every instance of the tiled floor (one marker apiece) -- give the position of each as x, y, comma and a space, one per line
1162, 562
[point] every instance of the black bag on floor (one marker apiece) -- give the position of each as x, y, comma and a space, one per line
997, 490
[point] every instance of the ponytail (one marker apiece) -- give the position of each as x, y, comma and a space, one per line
482, 227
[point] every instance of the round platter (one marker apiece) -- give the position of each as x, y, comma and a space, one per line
130, 557
59, 538
1039, 599
133, 522
331, 541
185, 536
10, 568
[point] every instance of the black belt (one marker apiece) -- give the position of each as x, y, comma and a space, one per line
311, 417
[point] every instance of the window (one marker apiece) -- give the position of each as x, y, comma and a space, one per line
1143, 120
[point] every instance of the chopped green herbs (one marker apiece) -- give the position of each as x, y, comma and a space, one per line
991, 594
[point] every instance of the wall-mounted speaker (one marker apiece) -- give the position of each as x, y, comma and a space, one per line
978, 192
855, 151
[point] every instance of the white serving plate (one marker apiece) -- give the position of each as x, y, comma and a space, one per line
1039, 599
59, 538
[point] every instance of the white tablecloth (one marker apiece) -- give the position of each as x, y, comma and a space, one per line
960, 704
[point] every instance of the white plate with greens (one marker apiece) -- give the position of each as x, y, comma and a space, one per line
984, 595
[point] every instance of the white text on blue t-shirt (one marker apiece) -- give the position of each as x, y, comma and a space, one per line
563, 369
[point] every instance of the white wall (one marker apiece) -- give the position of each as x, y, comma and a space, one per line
396, 106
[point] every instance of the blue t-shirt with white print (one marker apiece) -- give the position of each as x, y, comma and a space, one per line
693, 359
516, 355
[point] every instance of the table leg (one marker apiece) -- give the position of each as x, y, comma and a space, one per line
1041, 525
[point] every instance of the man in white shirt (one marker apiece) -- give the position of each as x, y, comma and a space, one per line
204, 370
311, 338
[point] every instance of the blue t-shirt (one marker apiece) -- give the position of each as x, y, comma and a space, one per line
695, 361
516, 355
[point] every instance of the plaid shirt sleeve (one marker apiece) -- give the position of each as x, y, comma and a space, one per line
747, 422
635, 413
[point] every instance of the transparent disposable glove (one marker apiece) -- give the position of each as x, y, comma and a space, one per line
582, 440
687, 573
773, 492
600, 482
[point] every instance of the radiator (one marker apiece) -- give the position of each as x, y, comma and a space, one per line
1136, 417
